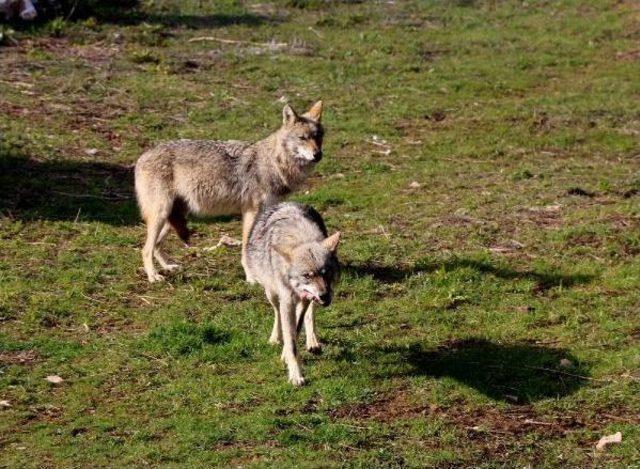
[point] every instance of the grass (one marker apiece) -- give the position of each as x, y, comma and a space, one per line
486, 316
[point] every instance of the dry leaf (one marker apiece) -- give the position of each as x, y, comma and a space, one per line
55, 379
609, 439
415, 185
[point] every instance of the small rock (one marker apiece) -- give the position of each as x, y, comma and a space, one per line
609, 439
511, 398
91, 151
55, 379
4, 403
415, 185
564, 363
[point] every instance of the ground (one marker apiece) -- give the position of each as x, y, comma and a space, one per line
481, 161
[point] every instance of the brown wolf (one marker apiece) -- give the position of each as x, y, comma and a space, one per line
290, 255
222, 178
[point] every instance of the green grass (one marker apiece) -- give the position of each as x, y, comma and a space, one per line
458, 299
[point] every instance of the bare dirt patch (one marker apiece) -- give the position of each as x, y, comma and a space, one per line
492, 427
549, 216
23, 357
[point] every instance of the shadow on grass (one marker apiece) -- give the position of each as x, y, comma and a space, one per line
71, 190
129, 12
200, 21
519, 373
67, 190
397, 274
183, 338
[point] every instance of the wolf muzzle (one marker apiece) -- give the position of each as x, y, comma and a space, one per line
325, 300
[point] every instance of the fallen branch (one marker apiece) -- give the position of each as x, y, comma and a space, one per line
91, 196
234, 41
551, 370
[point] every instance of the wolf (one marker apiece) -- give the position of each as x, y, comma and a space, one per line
291, 256
212, 177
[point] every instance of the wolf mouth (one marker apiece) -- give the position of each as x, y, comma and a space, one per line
307, 295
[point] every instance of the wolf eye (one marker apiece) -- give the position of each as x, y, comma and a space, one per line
307, 275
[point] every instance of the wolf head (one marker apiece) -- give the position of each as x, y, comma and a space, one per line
312, 269
301, 136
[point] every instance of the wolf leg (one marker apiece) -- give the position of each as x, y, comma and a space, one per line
154, 227
289, 353
276, 332
159, 255
301, 308
313, 345
248, 216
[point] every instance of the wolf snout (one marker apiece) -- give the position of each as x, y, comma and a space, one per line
317, 156
325, 299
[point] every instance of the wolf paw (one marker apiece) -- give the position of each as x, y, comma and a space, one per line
155, 278
171, 267
296, 380
275, 340
315, 348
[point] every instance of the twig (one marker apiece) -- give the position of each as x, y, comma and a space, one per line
551, 370
622, 419
535, 422
72, 11
89, 298
304, 427
317, 33
234, 41
153, 358
144, 300
91, 196
352, 426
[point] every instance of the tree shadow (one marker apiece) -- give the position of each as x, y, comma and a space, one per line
519, 373
67, 190
398, 274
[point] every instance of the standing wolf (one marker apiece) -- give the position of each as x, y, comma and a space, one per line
290, 255
222, 178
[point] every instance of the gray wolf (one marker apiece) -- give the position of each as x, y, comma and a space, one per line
291, 256
211, 177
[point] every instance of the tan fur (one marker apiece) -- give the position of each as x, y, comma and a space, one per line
212, 177
290, 255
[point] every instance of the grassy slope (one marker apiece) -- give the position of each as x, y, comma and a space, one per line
458, 298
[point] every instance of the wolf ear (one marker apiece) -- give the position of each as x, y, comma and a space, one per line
289, 116
283, 251
331, 243
315, 113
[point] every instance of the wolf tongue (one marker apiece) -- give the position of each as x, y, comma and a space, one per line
308, 295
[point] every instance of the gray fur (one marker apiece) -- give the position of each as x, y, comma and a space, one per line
290, 255
213, 177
